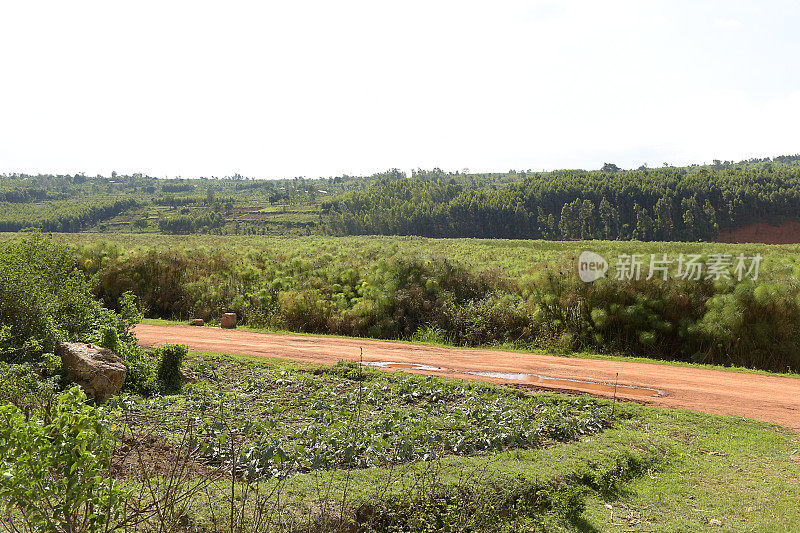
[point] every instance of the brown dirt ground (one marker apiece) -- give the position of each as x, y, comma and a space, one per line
763, 232
150, 455
772, 399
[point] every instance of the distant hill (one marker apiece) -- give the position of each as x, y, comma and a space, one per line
697, 202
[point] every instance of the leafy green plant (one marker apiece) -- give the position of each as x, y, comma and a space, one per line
170, 359
21, 386
400, 420
55, 475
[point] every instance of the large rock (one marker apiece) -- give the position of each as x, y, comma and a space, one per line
99, 371
228, 320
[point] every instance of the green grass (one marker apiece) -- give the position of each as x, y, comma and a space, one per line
514, 257
743, 473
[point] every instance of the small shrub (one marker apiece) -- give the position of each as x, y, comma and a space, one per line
347, 369
170, 360
110, 340
140, 376
430, 333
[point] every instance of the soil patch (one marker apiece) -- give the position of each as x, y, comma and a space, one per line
763, 232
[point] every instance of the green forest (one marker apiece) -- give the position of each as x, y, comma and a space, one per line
665, 204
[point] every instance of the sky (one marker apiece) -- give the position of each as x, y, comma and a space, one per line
325, 88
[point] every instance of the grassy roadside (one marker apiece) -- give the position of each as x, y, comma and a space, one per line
583, 355
726, 472
654, 470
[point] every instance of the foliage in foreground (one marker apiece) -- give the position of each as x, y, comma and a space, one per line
555, 485
170, 360
55, 474
45, 300
56, 464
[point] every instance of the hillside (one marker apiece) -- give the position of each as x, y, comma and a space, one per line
697, 202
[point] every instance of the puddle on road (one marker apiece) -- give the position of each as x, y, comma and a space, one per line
536, 379
400, 366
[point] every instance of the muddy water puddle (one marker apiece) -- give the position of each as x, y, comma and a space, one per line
400, 366
536, 379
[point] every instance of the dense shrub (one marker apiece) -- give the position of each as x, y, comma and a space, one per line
500, 318
22, 386
304, 310
155, 277
646, 317
140, 376
39, 298
44, 300
751, 324
170, 359
754, 325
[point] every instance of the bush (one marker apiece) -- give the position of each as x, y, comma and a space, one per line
754, 325
37, 285
496, 319
21, 385
303, 311
749, 324
44, 300
140, 376
56, 475
170, 360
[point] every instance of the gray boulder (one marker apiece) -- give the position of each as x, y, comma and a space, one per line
99, 371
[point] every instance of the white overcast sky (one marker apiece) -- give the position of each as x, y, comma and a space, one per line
323, 88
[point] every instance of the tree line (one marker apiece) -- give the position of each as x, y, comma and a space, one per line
670, 203
75, 217
186, 224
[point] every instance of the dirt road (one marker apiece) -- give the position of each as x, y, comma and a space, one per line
769, 398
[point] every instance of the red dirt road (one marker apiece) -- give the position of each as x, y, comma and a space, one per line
769, 398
